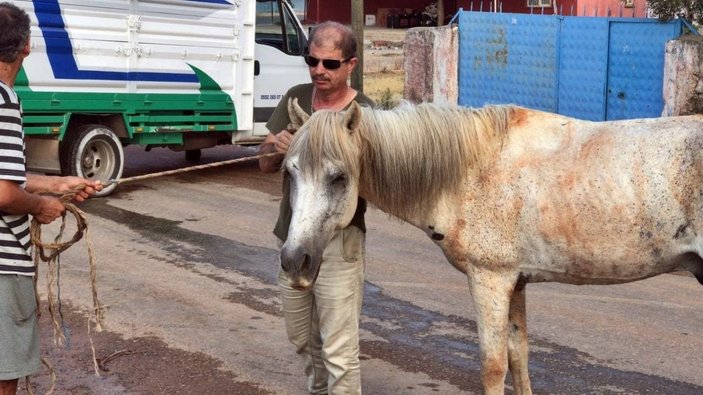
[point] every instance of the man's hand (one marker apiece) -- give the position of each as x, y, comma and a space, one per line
275, 143
38, 183
69, 184
47, 209
283, 140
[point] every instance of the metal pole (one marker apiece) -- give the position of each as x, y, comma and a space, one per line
357, 14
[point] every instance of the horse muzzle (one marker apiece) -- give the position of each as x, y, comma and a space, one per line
301, 268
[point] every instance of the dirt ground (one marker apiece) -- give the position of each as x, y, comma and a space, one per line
186, 271
140, 365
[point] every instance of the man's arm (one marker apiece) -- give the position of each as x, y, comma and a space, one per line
15, 200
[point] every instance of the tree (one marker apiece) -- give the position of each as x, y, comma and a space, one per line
691, 10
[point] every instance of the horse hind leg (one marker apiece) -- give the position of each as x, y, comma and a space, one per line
517, 342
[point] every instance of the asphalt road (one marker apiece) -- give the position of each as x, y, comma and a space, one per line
186, 269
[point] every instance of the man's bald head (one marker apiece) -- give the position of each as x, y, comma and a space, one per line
341, 36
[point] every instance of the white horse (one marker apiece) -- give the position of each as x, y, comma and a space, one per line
511, 196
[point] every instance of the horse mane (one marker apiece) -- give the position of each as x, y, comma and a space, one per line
408, 156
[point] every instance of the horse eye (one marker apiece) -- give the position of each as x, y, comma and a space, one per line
339, 178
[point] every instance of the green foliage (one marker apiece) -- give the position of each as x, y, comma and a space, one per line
692, 10
386, 100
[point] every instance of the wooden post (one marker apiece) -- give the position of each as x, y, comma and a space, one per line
357, 17
440, 12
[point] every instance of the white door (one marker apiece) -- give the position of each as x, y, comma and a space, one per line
280, 44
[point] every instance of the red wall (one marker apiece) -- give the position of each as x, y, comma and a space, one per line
612, 8
321, 10
565, 7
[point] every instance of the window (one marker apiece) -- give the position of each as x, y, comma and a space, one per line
276, 26
292, 34
539, 3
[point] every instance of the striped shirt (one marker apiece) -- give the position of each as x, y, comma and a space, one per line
15, 242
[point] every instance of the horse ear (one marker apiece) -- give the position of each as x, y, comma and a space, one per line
297, 115
353, 116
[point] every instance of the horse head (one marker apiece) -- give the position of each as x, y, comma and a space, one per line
322, 168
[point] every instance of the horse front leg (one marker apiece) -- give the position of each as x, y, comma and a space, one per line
491, 293
517, 342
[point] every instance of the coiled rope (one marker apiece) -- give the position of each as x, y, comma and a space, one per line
49, 252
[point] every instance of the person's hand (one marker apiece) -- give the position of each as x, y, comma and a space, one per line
87, 187
48, 208
283, 140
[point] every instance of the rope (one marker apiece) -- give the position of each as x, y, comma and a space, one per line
190, 168
54, 379
49, 252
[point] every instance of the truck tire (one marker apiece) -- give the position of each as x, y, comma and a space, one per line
95, 153
193, 155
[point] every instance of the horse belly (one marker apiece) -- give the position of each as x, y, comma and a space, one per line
613, 233
612, 265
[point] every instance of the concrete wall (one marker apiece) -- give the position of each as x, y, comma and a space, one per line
431, 64
683, 76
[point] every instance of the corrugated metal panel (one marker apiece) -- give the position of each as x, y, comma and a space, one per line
508, 58
589, 68
583, 68
636, 68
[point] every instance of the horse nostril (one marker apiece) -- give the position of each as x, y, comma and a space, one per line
285, 265
298, 263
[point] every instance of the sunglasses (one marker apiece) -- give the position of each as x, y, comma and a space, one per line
329, 64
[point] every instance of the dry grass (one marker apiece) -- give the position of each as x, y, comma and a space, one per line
386, 87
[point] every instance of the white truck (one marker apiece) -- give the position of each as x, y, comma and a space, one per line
184, 74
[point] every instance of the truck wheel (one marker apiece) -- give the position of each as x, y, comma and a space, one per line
193, 155
95, 153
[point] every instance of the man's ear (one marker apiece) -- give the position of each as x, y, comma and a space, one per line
352, 118
27, 48
353, 62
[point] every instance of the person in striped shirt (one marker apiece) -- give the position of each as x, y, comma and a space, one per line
19, 198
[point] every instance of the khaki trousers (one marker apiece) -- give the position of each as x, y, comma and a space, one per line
323, 322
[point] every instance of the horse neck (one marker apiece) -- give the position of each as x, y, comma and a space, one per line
412, 160
388, 190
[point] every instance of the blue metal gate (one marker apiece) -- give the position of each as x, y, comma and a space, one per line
589, 68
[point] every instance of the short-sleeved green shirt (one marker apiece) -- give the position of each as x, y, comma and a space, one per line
279, 121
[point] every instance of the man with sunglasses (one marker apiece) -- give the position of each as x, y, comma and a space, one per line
323, 322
